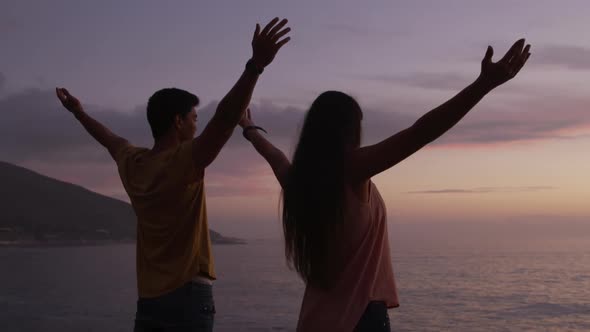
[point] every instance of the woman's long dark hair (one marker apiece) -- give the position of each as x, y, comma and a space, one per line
313, 196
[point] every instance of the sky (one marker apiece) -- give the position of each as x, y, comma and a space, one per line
523, 153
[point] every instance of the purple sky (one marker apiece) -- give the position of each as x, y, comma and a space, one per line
522, 153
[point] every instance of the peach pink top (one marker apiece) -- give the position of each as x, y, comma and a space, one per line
367, 273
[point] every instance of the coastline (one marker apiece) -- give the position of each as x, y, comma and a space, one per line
90, 243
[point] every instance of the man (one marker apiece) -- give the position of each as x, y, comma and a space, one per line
174, 263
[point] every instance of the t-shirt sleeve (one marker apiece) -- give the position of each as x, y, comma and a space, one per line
122, 153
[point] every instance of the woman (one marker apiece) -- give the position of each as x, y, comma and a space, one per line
334, 219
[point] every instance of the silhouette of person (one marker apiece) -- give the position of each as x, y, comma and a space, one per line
175, 268
334, 219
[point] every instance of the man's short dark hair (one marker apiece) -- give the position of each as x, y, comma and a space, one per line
164, 105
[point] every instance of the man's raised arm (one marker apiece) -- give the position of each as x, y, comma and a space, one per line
99, 132
265, 45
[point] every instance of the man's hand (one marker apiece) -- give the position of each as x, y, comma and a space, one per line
246, 119
70, 102
494, 74
100, 133
266, 43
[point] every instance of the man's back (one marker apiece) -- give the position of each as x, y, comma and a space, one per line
167, 194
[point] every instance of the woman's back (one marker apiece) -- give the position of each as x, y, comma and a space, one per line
362, 258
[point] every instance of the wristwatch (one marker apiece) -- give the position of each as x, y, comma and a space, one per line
248, 128
251, 66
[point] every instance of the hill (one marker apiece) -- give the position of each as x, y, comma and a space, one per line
38, 210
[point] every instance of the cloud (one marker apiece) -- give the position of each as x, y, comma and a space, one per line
484, 190
436, 81
543, 117
570, 57
451, 82
40, 134
39, 128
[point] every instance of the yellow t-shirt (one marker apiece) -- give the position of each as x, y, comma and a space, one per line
168, 196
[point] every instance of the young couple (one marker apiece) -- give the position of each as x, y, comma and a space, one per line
334, 219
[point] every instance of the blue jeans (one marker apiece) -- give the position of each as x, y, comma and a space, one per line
188, 308
374, 319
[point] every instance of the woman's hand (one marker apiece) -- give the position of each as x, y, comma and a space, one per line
246, 119
494, 74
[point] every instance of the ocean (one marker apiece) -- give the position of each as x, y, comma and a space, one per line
481, 284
